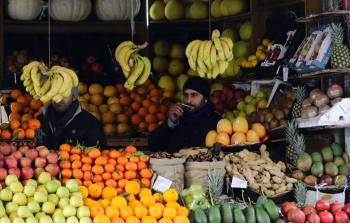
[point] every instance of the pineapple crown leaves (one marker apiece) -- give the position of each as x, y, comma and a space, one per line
291, 131
337, 33
215, 184
300, 191
300, 144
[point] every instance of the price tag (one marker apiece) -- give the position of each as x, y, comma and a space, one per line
285, 73
161, 184
238, 183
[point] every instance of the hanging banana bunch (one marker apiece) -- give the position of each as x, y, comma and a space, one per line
48, 84
136, 68
209, 58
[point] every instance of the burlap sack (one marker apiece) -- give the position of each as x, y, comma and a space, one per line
197, 172
172, 169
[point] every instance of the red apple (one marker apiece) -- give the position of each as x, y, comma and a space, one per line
322, 205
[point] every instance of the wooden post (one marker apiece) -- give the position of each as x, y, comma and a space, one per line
2, 67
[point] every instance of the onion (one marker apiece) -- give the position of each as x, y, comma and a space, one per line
335, 91
335, 101
323, 109
321, 99
314, 93
306, 103
309, 112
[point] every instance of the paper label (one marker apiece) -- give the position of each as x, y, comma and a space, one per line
285, 73
312, 197
238, 183
161, 184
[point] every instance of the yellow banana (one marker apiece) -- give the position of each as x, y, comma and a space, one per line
189, 47
201, 65
216, 70
146, 71
43, 68
120, 46
219, 48
228, 41
194, 51
135, 73
35, 76
45, 87
72, 74
56, 85
215, 34
67, 82
206, 54
57, 98
27, 82
226, 49
125, 54
213, 55
27, 68
29, 88
192, 64
200, 72
222, 66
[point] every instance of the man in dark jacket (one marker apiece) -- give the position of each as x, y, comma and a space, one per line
188, 123
67, 122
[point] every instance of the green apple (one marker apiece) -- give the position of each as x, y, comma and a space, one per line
63, 202
11, 207
83, 211
249, 109
72, 219
31, 219
6, 194
241, 106
34, 206
10, 179
42, 188
242, 114
2, 212
40, 197
72, 185
76, 201
16, 187
20, 199
18, 220
31, 182
24, 212
48, 207
29, 190
51, 187
53, 198
62, 192
69, 211
44, 178
260, 94
59, 219
45, 219
85, 220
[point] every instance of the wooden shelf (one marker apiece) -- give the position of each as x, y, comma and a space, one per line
318, 74
116, 142
281, 5
323, 15
325, 127
239, 17
34, 27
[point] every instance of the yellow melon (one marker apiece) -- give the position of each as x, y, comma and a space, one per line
238, 138
223, 138
260, 129
240, 124
224, 125
252, 136
210, 138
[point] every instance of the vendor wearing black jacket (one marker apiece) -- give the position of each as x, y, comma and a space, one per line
67, 122
188, 123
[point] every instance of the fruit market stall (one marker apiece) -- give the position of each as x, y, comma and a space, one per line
279, 79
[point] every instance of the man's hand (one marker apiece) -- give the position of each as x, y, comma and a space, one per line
175, 112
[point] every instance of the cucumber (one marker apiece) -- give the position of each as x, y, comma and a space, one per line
199, 216
191, 217
214, 214
226, 213
250, 215
261, 215
238, 215
261, 201
271, 209
280, 220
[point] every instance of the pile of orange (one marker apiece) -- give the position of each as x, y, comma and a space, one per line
23, 121
112, 168
146, 106
138, 205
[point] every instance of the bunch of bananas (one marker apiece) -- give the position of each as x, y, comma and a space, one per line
48, 84
136, 68
209, 58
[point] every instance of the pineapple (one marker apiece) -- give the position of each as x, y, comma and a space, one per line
340, 57
300, 97
300, 191
215, 184
296, 144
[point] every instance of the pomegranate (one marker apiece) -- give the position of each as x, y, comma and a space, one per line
53, 169
296, 216
23, 149
346, 209
322, 205
341, 217
326, 217
1, 156
5, 148
43, 151
313, 218
40, 162
11, 162
25, 162
38, 171
3, 174
27, 173
17, 154
32, 154
287, 206
52, 157
308, 209
15, 171
336, 206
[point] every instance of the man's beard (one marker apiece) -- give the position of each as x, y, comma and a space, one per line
196, 108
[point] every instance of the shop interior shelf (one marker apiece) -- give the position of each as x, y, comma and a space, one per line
280, 5
323, 15
322, 73
12, 26
122, 141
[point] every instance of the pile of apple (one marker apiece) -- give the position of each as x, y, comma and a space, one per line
226, 100
323, 212
42, 201
26, 163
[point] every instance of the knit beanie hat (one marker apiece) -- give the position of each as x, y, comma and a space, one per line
198, 84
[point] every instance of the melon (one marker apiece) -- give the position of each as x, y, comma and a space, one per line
241, 49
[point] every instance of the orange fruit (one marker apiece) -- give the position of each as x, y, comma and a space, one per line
182, 211
136, 119
119, 202
16, 107
15, 93
169, 212
22, 100
124, 100
35, 104
95, 190
117, 220
112, 212
150, 118
170, 195
223, 138
181, 219
30, 133
34, 123
96, 210
143, 125
142, 112
109, 192
101, 219
132, 219
19, 133
146, 103
153, 109
140, 211
132, 187
259, 129
165, 220
156, 211
126, 212
149, 219
152, 127
252, 136
15, 124
147, 200
14, 116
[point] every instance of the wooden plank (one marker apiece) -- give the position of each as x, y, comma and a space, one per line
120, 142
2, 60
